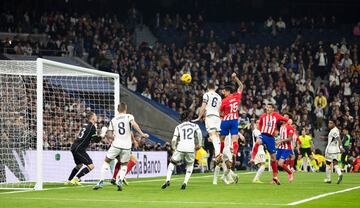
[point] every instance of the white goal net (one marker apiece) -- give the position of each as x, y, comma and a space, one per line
42, 106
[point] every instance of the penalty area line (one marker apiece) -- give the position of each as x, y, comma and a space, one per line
322, 195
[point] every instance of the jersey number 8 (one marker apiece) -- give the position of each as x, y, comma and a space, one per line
121, 127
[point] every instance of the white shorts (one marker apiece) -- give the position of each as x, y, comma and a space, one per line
260, 156
212, 123
332, 156
227, 155
124, 154
189, 157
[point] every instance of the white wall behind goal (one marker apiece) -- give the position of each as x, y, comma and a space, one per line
58, 165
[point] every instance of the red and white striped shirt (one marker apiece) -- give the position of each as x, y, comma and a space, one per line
230, 105
286, 131
268, 122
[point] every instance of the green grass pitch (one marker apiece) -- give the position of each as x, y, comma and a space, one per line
199, 193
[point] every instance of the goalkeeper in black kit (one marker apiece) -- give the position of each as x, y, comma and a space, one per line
78, 149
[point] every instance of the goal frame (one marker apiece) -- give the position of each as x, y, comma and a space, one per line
40, 62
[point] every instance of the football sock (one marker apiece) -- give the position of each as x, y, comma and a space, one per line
291, 163
254, 151
222, 145
274, 168
216, 144
216, 173
304, 162
232, 174
189, 170
122, 172
116, 170
259, 172
236, 147
170, 171
73, 173
83, 172
104, 167
328, 172
226, 172
130, 165
287, 162
337, 169
286, 168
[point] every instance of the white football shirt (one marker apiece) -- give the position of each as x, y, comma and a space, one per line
333, 142
185, 135
213, 103
121, 127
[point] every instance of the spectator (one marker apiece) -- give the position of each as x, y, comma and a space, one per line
356, 30
320, 101
321, 56
280, 24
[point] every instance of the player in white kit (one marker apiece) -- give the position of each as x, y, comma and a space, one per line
332, 152
227, 157
187, 138
210, 109
260, 157
120, 129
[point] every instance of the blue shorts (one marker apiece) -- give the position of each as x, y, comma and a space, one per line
269, 141
283, 154
229, 126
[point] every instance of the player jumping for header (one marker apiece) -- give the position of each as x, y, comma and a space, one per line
229, 124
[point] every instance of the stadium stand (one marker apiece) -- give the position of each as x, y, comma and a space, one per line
305, 66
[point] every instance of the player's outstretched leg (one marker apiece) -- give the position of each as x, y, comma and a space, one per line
116, 171
121, 176
84, 171
338, 171
130, 166
189, 170
259, 173
72, 174
105, 166
168, 175
328, 172
216, 174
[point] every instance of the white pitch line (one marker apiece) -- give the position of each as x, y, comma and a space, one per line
321, 196
83, 186
32, 190
150, 201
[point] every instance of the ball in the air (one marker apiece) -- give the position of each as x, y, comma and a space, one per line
186, 78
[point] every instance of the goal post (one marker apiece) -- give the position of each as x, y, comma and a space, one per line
42, 106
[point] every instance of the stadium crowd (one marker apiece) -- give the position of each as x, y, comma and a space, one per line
284, 76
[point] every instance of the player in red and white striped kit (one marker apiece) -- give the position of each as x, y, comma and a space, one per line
285, 147
267, 126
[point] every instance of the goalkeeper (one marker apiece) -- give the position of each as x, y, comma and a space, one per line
78, 149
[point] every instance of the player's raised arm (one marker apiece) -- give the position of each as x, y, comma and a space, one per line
282, 118
239, 83
138, 129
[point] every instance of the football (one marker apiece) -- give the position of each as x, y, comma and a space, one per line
186, 78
